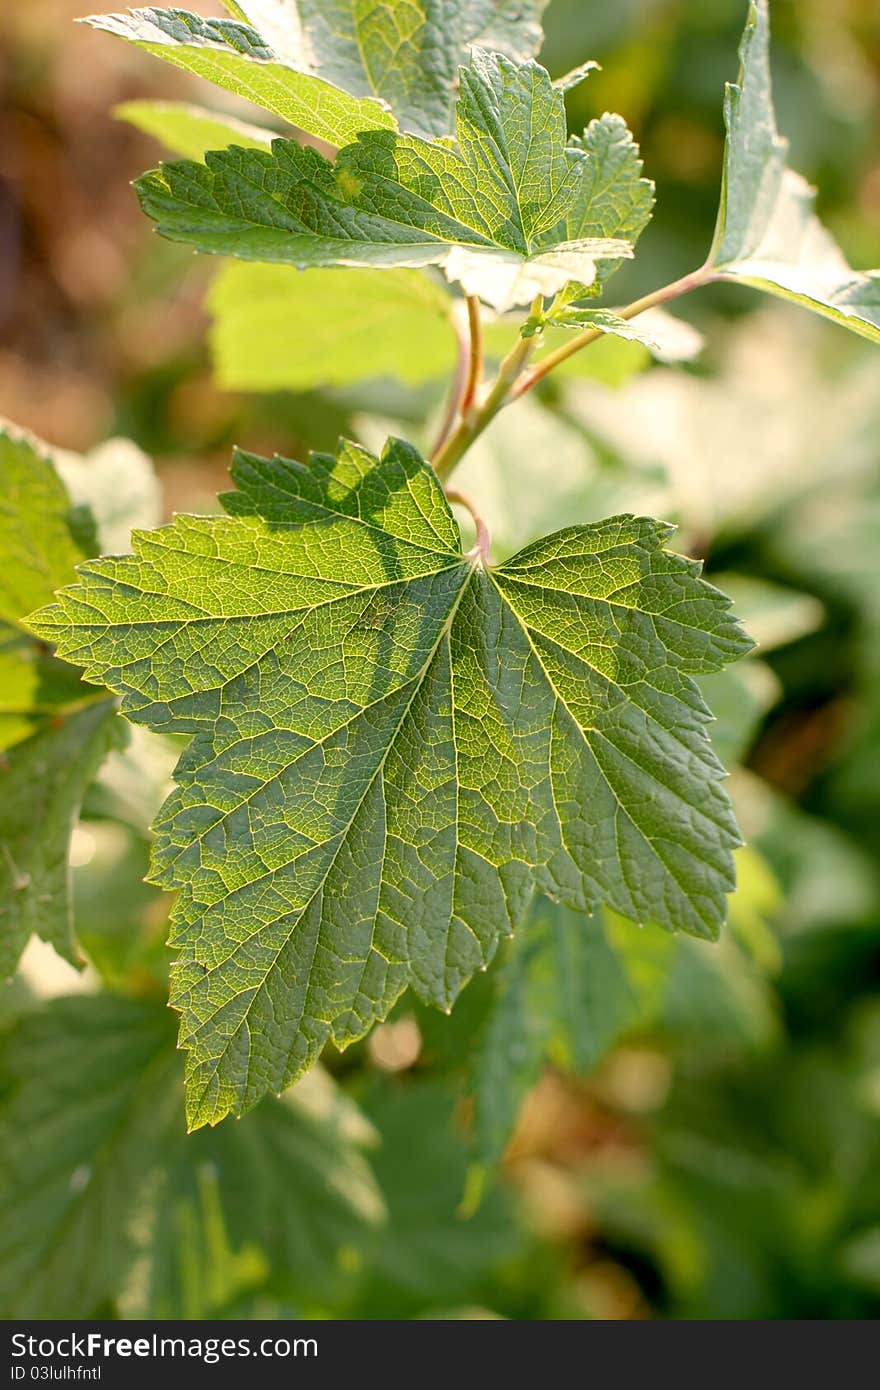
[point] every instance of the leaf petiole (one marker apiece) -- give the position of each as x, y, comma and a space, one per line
514, 379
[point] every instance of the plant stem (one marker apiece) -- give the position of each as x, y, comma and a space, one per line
513, 379
693, 281
457, 391
475, 364
475, 420
484, 538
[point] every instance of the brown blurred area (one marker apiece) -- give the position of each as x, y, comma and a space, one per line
101, 326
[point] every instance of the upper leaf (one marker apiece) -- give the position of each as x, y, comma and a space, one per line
392, 746
235, 56
502, 212
334, 68
768, 234
614, 200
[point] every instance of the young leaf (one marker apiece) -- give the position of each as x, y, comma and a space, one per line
333, 68
614, 200
494, 212
276, 329
768, 234
189, 130
392, 745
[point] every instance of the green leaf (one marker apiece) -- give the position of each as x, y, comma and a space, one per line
275, 328
573, 987
613, 200
768, 234
234, 56
493, 212
42, 783
54, 731
334, 68
90, 1089
427, 1255
42, 535
34, 687
287, 1197
393, 745
96, 1174
191, 130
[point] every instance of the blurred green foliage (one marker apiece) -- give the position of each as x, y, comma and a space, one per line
712, 1150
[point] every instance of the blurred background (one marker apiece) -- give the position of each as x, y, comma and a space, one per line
716, 1154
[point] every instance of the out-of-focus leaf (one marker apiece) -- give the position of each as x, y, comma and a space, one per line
42, 782
276, 328
768, 234
43, 536
573, 986
103, 1197
191, 131
428, 1255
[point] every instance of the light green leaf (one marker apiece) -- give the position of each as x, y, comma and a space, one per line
42, 535
493, 211
392, 746
34, 687
768, 234
334, 68
42, 783
189, 130
234, 56
667, 338
275, 328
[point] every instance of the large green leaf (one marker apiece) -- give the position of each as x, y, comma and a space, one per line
494, 211
333, 67
96, 1172
768, 234
392, 745
275, 328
